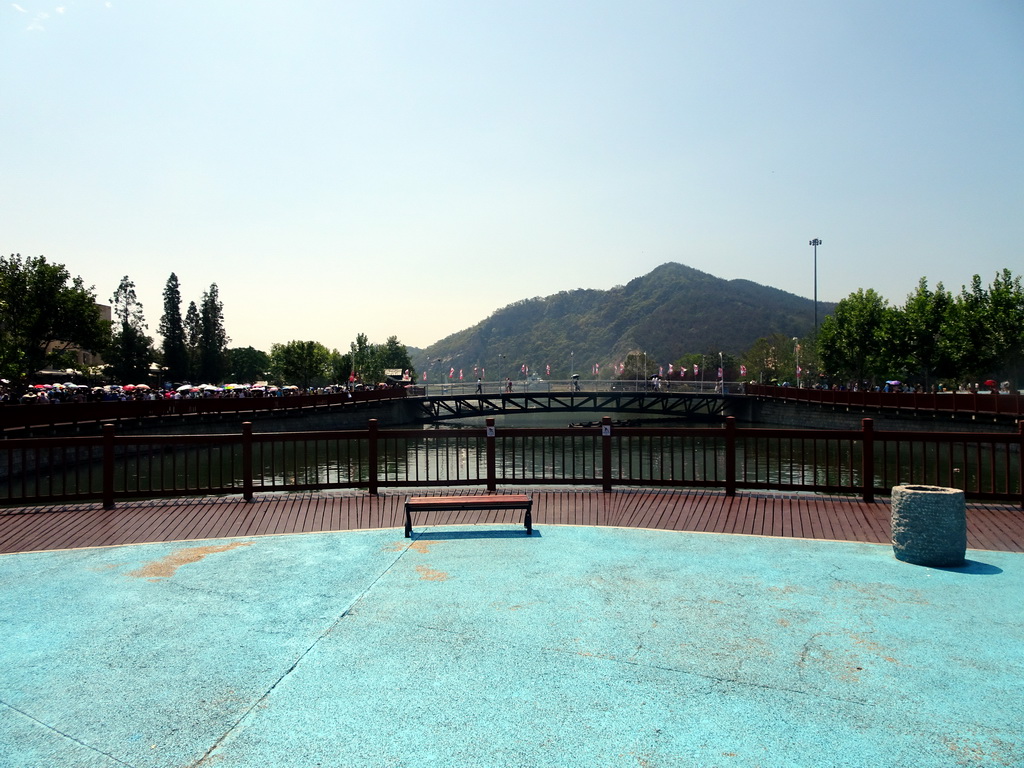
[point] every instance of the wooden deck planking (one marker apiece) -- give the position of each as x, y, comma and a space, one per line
990, 526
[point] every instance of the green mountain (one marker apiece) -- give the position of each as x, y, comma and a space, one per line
672, 311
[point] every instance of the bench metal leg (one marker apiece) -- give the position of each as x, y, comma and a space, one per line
528, 523
408, 524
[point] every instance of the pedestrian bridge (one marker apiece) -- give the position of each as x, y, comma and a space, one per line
697, 406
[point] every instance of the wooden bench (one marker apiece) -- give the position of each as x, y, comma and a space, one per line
462, 503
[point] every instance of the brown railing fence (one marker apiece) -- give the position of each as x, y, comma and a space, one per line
863, 461
20, 417
942, 402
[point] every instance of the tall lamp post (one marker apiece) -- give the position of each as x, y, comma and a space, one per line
815, 242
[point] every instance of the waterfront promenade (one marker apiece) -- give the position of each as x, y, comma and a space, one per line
636, 628
997, 527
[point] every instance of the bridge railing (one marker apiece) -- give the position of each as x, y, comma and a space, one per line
523, 386
865, 462
948, 402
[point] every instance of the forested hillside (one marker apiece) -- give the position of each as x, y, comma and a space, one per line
672, 311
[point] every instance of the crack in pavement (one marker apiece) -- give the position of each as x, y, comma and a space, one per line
209, 755
61, 733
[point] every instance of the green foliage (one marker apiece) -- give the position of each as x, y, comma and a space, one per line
43, 314
369, 361
935, 336
852, 341
246, 365
193, 333
213, 339
303, 363
172, 329
131, 349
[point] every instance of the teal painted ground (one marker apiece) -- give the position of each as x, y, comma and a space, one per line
483, 647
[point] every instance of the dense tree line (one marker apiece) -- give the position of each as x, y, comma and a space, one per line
934, 337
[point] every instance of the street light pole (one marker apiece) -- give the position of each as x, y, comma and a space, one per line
815, 242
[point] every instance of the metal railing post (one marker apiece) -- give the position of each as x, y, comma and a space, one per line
247, 460
730, 455
372, 435
867, 460
491, 438
1020, 461
606, 454
108, 466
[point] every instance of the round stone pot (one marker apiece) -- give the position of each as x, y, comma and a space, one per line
929, 525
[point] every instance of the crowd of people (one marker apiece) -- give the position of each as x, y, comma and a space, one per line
83, 393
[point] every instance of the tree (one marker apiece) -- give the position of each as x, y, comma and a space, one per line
340, 367
44, 313
130, 350
172, 328
213, 339
247, 364
395, 355
771, 359
305, 363
1004, 321
369, 361
636, 366
193, 332
853, 340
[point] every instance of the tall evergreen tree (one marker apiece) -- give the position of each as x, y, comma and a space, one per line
172, 328
213, 340
193, 332
131, 350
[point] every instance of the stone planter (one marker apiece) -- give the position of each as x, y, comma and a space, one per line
929, 525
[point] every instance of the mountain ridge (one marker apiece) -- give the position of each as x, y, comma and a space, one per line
671, 311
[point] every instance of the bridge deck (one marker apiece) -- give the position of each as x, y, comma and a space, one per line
990, 526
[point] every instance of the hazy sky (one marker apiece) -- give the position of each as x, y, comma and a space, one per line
406, 168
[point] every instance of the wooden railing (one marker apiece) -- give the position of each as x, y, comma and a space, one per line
947, 402
865, 462
15, 417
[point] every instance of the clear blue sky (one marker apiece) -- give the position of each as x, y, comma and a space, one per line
406, 168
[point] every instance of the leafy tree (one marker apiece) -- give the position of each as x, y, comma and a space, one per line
172, 328
304, 363
1004, 321
131, 349
920, 344
637, 366
247, 364
213, 339
770, 359
340, 367
852, 341
369, 361
44, 313
395, 355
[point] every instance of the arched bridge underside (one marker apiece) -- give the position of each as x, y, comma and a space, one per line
695, 406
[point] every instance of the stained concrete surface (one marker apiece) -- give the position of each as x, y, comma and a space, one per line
480, 646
